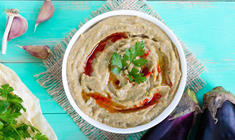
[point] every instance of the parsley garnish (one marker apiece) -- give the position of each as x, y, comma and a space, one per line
10, 107
131, 56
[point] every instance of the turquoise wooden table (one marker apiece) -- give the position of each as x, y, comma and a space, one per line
207, 28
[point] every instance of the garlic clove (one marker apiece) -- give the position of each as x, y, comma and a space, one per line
15, 27
19, 27
39, 51
45, 12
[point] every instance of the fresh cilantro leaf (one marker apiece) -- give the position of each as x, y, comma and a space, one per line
9, 132
124, 62
116, 70
1, 135
1, 125
117, 60
134, 71
126, 58
23, 130
3, 106
9, 116
12, 100
5, 90
130, 77
132, 74
139, 47
131, 56
133, 53
137, 76
10, 109
117, 63
33, 128
39, 136
15, 102
139, 62
127, 54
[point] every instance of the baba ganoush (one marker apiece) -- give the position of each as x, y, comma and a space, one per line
109, 90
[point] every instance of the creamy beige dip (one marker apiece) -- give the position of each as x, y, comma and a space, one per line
163, 68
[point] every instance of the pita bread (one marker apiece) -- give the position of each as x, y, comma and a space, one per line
33, 114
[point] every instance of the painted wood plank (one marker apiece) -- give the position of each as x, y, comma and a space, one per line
26, 72
67, 16
208, 30
188, 20
64, 127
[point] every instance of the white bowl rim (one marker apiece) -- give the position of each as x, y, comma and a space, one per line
166, 111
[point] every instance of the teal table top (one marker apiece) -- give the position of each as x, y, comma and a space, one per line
206, 27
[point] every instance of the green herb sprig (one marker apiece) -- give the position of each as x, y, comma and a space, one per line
10, 107
131, 56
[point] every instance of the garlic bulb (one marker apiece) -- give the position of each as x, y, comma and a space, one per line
15, 27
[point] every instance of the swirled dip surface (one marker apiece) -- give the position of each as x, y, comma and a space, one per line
112, 99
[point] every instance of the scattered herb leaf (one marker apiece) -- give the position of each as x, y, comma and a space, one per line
117, 60
137, 76
3, 106
139, 62
116, 70
131, 56
1, 125
10, 110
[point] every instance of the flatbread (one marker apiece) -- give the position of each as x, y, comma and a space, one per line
33, 114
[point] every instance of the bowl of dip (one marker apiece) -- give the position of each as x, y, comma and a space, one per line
124, 71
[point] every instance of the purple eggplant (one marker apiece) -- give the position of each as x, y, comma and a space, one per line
218, 119
178, 125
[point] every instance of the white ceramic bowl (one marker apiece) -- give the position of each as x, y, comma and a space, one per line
166, 111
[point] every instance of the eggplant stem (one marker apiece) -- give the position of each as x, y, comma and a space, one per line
5, 36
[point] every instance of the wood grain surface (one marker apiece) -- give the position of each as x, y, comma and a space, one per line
208, 29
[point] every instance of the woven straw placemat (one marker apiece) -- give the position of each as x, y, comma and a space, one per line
51, 79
